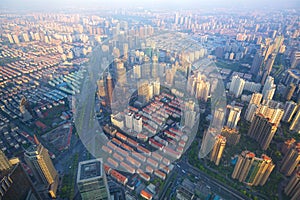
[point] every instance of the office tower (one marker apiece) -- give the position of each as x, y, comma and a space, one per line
292, 189
4, 162
256, 64
251, 170
269, 88
290, 109
137, 123
189, 118
262, 130
91, 180
101, 89
232, 116
295, 125
109, 86
218, 118
129, 120
208, 141
218, 148
289, 91
16, 185
290, 160
295, 59
236, 86
232, 135
39, 161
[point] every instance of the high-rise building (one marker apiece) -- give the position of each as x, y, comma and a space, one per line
287, 145
129, 120
91, 180
292, 189
4, 162
218, 148
15, 184
218, 118
291, 160
156, 87
39, 161
257, 63
144, 91
250, 112
251, 170
290, 109
292, 76
295, 125
262, 130
236, 86
295, 59
189, 118
109, 86
137, 123
208, 141
256, 98
289, 91
274, 114
269, 88
101, 89
232, 135
232, 116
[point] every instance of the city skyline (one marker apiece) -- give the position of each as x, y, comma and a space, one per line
149, 100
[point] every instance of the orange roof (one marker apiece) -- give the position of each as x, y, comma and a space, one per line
146, 195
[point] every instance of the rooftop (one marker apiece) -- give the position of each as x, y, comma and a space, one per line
89, 169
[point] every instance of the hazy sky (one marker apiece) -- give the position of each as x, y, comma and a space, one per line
174, 4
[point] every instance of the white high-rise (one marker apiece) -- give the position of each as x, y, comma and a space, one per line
237, 86
269, 88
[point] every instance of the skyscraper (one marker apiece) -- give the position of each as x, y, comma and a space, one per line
208, 141
262, 130
289, 110
39, 161
295, 125
256, 64
291, 160
16, 185
109, 86
232, 116
292, 189
4, 162
269, 88
189, 118
251, 170
218, 148
91, 180
236, 86
218, 118
290, 89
